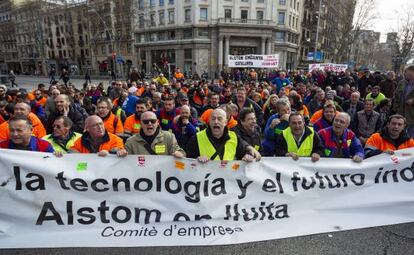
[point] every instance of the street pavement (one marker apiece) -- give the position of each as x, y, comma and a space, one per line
31, 82
389, 240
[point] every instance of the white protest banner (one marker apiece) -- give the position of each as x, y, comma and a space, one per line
90, 201
328, 67
254, 61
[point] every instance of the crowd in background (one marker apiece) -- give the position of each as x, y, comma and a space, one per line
346, 115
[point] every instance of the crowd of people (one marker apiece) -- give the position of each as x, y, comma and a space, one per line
242, 115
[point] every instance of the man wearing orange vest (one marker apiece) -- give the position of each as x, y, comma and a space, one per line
112, 123
391, 138
96, 139
133, 122
24, 110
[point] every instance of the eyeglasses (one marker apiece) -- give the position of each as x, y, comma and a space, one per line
146, 122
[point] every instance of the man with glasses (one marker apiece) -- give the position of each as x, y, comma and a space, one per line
96, 139
39, 98
112, 123
341, 142
62, 138
151, 140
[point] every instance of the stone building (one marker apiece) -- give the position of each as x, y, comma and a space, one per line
198, 35
8, 47
365, 49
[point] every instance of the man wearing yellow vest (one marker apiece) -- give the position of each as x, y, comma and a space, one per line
298, 140
218, 143
62, 138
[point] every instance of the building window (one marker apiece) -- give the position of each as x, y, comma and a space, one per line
152, 19
187, 34
171, 17
103, 50
187, 15
171, 35
203, 33
141, 21
282, 2
259, 15
280, 36
170, 2
243, 15
161, 2
260, 1
141, 4
227, 13
203, 14
152, 3
188, 53
281, 18
161, 17
162, 36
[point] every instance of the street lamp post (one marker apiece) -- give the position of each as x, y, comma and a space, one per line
93, 10
317, 31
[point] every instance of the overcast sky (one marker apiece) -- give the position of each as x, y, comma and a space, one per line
389, 12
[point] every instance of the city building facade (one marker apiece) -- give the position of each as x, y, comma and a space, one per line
8, 47
364, 50
323, 26
199, 35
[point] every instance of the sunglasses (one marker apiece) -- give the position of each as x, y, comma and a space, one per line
146, 122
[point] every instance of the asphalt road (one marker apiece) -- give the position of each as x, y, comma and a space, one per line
31, 82
389, 240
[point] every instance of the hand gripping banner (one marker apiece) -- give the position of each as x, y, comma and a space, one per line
90, 201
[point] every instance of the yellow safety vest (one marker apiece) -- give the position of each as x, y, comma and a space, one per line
207, 149
305, 149
69, 144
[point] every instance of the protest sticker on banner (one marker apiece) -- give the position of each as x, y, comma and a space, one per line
119, 203
254, 61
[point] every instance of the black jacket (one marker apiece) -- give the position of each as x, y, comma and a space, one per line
74, 115
192, 150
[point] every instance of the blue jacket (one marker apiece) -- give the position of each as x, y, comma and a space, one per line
269, 144
35, 144
129, 105
279, 83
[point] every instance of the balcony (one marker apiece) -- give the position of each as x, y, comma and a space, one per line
244, 21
